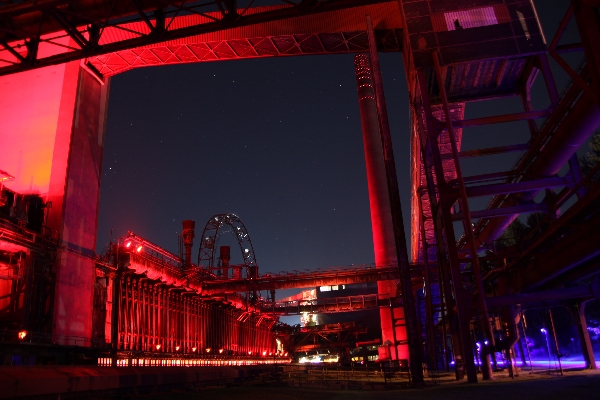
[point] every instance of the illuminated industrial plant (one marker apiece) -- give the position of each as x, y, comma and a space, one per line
454, 298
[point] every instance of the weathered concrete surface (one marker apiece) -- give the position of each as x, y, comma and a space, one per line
92, 381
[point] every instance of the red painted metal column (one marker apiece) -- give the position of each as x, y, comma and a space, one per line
127, 316
203, 327
464, 204
381, 224
431, 353
462, 345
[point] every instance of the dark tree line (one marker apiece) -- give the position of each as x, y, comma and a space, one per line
592, 157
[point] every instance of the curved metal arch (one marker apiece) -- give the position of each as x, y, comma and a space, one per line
207, 254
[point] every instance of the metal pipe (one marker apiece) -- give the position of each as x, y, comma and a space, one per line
567, 254
574, 292
523, 327
574, 131
519, 187
549, 79
509, 315
499, 119
496, 212
488, 151
561, 28
558, 355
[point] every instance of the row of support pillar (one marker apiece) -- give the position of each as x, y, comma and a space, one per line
151, 316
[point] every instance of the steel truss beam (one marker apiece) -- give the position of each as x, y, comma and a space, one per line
87, 25
330, 305
256, 47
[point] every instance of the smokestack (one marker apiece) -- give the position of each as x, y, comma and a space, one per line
225, 256
188, 241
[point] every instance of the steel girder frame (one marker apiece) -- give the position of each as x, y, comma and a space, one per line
442, 196
27, 25
447, 197
441, 203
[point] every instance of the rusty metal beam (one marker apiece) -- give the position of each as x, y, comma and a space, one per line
179, 33
461, 340
330, 305
497, 212
488, 151
498, 119
524, 186
464, 204
575, 248
576, 292
309, 280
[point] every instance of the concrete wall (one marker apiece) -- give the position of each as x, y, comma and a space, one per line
51, 141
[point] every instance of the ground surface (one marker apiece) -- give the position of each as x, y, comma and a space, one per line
580, 385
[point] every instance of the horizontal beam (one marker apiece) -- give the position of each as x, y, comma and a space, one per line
499, 119
500, 212
591, 290
525, 186
494, 176
330, 305
488, 151
299, 281
569, 48
179, 33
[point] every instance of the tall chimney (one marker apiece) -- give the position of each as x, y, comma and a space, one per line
225, 255
188, 241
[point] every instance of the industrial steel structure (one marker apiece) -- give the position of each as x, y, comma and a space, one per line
139, 302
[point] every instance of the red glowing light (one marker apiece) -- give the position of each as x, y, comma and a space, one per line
22, 335
193, 349
249, 353
264, 353
139, 248
177, 348
127, 244
220, 351
158, 347
208, 350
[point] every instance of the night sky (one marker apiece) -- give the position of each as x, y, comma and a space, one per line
276, 141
